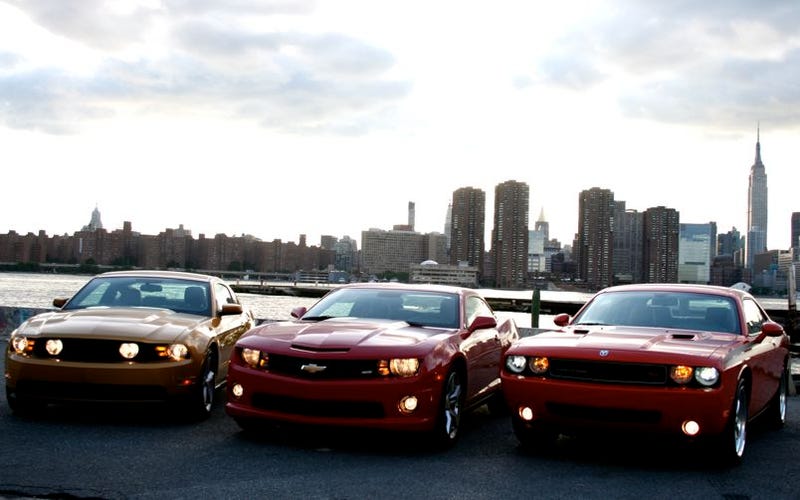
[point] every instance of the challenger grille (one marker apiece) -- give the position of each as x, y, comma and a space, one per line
315, 408
603, 371
620, 415
94, 351
322, 369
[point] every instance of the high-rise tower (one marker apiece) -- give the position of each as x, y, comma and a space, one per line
756, 207
510, 234
467, 227
594, 242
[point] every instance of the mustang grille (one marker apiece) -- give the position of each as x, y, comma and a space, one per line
603, 371
95, 351
322, 369
67, 391
315, 408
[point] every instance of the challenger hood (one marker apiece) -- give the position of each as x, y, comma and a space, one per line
630, 342
338, 334
142, 324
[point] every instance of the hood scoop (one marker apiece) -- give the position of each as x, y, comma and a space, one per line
683, 336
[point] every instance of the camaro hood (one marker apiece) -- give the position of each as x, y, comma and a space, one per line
145, 324
624, 342
338, 334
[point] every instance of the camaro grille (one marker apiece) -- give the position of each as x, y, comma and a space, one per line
95, 351
604, 371
318, 408
322, 369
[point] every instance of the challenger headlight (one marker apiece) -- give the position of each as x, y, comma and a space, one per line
706, 375
253, 357
681, 374
178, 352
539, 364
404, 367
516, 364
20, 344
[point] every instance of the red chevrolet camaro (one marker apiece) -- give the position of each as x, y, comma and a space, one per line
384, 356
692, 361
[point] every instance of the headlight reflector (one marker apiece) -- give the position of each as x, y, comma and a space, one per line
19, 343
251, 356
539, 364
516, 364
129, 350
404, 367
706, 375
681, 374
54, 347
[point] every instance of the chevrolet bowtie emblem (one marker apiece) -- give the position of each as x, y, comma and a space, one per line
312, 368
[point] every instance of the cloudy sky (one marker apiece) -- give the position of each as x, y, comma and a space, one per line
278, 118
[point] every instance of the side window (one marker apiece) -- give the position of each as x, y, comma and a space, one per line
475, 306
753, 316
223, 295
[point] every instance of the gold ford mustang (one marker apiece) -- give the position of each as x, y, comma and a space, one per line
131, 336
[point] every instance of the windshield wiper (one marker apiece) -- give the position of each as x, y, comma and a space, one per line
316, 318
591, 323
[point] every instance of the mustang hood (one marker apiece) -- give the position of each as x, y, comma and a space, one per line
338, 335
155, 325
635, 341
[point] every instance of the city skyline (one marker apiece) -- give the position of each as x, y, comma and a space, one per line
284, 118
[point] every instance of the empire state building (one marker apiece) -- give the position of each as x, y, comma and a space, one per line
756, 207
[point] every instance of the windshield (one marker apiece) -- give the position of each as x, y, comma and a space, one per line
412, 306
663, 309
184, 296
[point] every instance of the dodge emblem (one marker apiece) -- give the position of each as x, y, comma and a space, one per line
603, 353
313, 368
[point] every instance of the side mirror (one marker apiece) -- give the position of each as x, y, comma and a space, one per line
59, 302
298, 312
482, 322
231, 309
561, 319
772, 329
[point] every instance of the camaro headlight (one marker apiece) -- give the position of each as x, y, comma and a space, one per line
681, 374
404, 367
20, 344
253, 357
706, 375
516, 364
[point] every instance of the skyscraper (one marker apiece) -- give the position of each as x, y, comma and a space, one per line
594, 243
661, 243
467, 227
795, 241
510, 234
756, 207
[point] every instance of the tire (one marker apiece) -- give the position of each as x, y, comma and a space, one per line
776, 410
204, 397
731, 445
533, 437
451, 405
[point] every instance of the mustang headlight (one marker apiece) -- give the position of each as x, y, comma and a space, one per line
20, 344
516, 364
706, 375
54, 347
681, 374
129, 350
253, 357
404, 367
178, 352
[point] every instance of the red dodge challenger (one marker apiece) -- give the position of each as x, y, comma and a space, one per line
692, 361
384, 356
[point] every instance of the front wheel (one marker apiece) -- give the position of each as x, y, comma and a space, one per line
448, 422
202, 401
734, 438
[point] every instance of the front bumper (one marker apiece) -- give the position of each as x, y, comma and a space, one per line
54, 381
571, 405
372, 403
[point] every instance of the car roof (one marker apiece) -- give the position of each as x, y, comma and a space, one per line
159, 274
679, 287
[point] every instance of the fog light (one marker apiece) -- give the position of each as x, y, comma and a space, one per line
690, 428
408, 404
526, 413
237, 390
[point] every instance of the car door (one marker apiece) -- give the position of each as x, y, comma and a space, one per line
482, 348
765, 356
